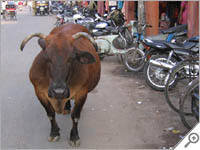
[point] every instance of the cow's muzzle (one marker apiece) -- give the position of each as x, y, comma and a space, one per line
59, 93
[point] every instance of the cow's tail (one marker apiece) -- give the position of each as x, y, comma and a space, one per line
40, 35
86, 35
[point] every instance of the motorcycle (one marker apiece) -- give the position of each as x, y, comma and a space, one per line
55, 8
165, 56
97, 25
110, 45
107, 26
101, 27
135, 60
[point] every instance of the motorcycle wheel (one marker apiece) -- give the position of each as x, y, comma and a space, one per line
155, 76
134, 60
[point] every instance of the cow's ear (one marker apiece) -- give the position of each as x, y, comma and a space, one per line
84, 57
42, 43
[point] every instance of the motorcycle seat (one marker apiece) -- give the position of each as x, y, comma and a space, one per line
97, 34
109, 28
176, 29
186, 45
156, 44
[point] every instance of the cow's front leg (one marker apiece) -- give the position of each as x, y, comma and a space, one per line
54, 133
74, 137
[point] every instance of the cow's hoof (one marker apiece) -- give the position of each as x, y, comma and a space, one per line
75, 143
53, 138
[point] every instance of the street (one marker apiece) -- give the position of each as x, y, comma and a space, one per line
122, 112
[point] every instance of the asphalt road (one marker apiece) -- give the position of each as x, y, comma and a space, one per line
122, 112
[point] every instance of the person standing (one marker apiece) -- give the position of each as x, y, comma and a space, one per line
100, 7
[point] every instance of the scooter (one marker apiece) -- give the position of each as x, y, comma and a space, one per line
110, 45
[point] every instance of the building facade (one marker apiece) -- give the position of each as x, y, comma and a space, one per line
153, 12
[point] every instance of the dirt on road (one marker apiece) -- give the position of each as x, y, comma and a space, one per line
137, 116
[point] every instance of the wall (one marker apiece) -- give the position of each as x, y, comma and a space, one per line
193, 18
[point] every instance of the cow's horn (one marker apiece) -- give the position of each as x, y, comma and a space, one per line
40, 35
86, 35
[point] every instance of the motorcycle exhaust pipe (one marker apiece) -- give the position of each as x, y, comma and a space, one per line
161, 64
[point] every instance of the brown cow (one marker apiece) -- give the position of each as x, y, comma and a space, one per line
68, 67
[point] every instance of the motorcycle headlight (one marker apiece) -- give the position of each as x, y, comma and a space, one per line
45, 6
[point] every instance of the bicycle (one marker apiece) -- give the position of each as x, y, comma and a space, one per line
134, 59
189, 104
181, 74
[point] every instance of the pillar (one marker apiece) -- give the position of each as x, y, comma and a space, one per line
100, 7
107, 5
152, 17
141, 12
193, 18
129, 8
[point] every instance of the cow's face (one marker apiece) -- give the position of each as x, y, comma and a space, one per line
60, 57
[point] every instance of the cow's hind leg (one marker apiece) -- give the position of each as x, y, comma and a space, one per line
79, 102
54, 134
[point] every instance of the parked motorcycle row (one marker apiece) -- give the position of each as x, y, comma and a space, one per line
170, 65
